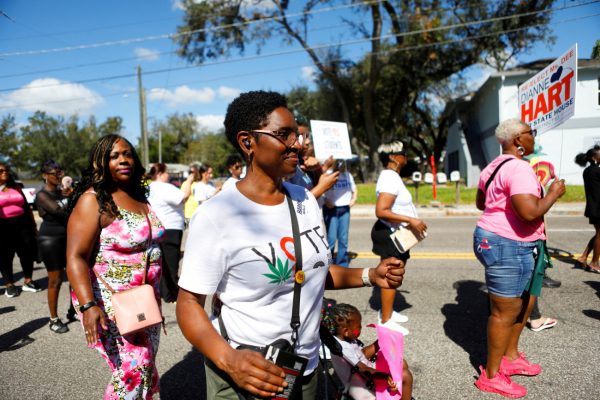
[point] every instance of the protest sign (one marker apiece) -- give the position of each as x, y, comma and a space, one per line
548, 99
330, 139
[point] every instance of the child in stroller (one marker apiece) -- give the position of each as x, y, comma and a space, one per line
354, 367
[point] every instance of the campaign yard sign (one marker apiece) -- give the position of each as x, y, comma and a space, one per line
548, 99
330, 139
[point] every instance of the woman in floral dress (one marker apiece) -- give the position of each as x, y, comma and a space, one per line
109, 234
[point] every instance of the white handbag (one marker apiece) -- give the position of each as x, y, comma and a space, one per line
405, 239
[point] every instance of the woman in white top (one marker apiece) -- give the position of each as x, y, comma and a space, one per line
167, 202
241, 248
205, 189
394, 207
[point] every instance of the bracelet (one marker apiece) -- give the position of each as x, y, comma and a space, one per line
365, 277
87, 306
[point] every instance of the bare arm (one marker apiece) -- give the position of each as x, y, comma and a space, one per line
480, 200
529, 207
248, 369
388, 274
82, 234
383, 210
326, 181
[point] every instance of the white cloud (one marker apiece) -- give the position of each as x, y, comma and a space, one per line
228, 92
211, 122
182, 95
308, 73
53, 96
146, 54
178, 5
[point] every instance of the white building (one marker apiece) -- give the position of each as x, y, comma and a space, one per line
471, 143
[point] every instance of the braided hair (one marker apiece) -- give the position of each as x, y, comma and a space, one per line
341, 314
97, 176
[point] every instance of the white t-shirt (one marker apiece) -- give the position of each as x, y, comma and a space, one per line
353, 354
167, 201
244, 252
230, 181
204, 191
390, 182
340, 193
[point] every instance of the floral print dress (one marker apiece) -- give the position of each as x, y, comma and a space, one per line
120, 260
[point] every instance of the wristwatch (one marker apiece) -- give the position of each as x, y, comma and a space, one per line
87, 306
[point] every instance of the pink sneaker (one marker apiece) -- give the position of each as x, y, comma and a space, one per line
519, 366
500, 384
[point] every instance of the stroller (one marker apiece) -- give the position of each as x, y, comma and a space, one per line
336, 383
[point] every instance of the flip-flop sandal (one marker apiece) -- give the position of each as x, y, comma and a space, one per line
593, 268
548, 323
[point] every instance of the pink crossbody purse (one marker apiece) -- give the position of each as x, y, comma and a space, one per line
135, 309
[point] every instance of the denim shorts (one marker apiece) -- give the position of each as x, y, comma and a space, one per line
508, 263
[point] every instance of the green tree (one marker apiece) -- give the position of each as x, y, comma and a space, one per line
9, 140
176, 132
596, 51
415, 45
45, 137
212, 149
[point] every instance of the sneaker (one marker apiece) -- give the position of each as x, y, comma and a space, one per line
519, 366
12, 291
57, 326
31, 286
500, 384
396, 317
390, 324
72, 315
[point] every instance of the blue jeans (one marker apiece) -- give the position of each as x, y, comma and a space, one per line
508, 263
337, 222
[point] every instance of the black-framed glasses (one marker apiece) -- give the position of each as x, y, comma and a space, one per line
3, 170
532, 132
286, 136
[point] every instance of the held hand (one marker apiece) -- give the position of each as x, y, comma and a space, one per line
93, 318
417, 226
328, 180
558, 188
251, 372
388, 274
391, 384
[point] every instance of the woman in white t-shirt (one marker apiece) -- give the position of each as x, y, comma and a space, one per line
167, 202
240, 247
205, 189
394, 208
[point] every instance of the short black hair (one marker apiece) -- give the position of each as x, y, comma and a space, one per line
250, 111
232, 160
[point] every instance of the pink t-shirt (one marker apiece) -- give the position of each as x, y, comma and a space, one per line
11, 203
514, 177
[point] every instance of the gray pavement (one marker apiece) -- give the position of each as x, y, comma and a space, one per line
442, 294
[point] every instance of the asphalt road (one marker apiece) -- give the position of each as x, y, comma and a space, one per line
442, 295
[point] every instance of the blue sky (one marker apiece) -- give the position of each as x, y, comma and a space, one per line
37, 72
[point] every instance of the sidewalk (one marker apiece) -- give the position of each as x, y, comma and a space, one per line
429, 211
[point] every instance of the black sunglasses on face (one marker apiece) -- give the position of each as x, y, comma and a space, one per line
2, 170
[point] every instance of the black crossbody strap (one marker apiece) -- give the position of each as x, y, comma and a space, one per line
487, 184
295, 322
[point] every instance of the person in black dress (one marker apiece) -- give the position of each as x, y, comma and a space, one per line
591, 183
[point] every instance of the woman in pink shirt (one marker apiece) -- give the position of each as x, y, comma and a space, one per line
17, 234
504, 241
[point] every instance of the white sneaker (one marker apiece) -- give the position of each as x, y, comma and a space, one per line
396, 316
390, 324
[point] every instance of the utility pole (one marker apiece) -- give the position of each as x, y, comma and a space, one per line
159, 146
143, 119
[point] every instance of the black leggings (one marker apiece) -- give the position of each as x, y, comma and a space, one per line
16, 236
171, 250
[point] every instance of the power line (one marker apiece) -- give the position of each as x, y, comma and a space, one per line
176, 35
385, 52
296, 50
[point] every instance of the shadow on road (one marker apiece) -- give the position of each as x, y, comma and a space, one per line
595, 314
20, 337
466, 320
6, 310
399, 302
185, 380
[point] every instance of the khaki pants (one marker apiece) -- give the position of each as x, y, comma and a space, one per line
219, 384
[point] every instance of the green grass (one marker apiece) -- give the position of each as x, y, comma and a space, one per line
446, 194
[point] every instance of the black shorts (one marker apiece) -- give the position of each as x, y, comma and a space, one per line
594, 220
383, 245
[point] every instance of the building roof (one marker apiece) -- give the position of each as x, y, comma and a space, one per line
536, 66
